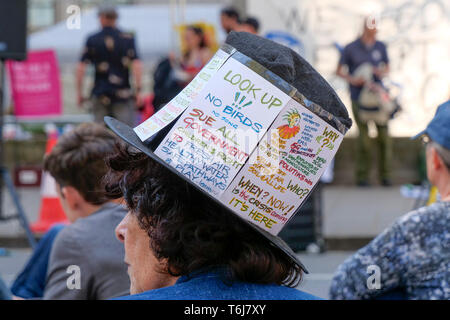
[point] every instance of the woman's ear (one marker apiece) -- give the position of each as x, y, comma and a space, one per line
436, 159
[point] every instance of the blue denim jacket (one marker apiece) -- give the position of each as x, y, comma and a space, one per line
214, 285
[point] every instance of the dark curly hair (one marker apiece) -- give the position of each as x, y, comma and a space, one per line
190, 231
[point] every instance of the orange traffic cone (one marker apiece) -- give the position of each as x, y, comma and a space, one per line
51, 210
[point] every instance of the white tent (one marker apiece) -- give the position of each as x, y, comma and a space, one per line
152, 25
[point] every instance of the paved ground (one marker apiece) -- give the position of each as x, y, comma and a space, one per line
12, 263
321, 267
31, 201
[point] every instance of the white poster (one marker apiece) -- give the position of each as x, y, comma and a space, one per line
214, 137
283, 169
178, 104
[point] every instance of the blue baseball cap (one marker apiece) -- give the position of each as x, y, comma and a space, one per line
439, 127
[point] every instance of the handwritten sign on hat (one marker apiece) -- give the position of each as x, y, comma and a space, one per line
247, 138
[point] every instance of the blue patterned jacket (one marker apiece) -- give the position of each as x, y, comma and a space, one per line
412, 257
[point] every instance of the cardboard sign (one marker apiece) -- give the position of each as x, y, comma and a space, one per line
35, 85
177, 105
248, 138
213, 139
284, 168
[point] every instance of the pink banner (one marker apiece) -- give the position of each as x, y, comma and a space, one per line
35, 85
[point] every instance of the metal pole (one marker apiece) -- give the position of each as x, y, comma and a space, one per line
2, 89
20, 212
5, 178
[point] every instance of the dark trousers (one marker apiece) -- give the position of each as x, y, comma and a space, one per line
124, 111
363, 153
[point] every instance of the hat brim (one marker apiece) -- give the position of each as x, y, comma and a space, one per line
127, 134
417, 136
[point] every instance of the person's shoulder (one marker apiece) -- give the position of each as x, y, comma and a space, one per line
105, 212
109, 211
126, 36
65, 243
380, 44
437, 210
166, 293
425, 218
66, 234
67, 239
84, 229
222, 291
99, 223
278, 292
93, 36
352, 44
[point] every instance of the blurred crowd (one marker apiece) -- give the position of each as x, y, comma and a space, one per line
176, 244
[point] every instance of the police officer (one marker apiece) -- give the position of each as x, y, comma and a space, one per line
113, 53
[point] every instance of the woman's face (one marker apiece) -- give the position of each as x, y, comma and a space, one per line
144, 269
192, 39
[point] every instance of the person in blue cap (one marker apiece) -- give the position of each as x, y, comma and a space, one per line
410, 259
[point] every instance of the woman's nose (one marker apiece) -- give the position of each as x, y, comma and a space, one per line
121, 229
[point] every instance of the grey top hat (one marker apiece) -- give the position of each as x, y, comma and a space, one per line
285, 69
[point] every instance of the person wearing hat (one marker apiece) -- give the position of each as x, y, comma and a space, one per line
113, 54
412, 255
180, 241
